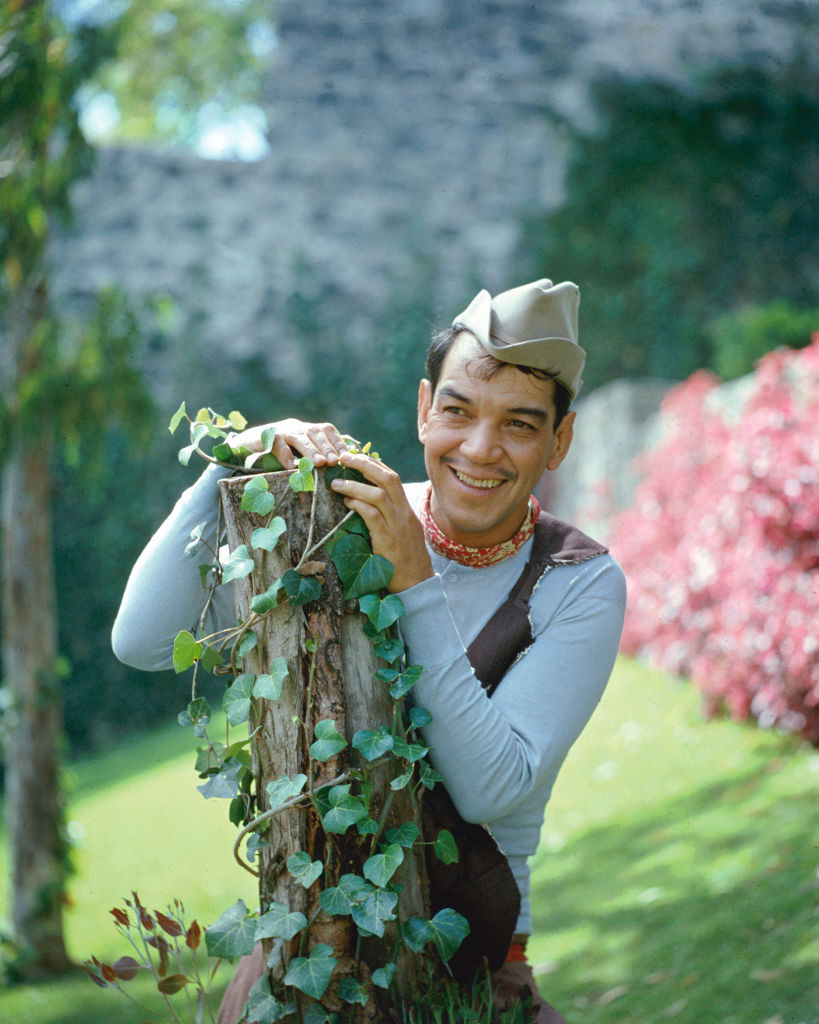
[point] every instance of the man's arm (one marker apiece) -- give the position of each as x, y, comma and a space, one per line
164, 592
493, 752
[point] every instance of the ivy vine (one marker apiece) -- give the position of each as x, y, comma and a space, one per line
370, 899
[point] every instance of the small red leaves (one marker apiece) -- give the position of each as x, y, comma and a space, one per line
193, 936
173, 983
120, 917
167, 924
126, 968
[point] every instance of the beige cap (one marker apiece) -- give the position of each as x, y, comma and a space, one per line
533, 325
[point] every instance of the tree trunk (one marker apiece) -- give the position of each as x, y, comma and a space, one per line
34, 813
335, 682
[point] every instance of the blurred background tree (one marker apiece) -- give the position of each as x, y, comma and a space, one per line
686, 204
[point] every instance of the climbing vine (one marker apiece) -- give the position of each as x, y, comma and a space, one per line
343, 805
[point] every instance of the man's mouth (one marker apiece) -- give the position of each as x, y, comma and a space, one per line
475, 482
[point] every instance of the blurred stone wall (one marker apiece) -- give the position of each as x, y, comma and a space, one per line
403, 134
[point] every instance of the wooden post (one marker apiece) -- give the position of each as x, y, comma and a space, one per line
335, 681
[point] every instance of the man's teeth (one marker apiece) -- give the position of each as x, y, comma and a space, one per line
477, 483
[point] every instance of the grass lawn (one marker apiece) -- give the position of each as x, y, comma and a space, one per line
676, 878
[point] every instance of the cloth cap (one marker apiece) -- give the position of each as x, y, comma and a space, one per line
533, 325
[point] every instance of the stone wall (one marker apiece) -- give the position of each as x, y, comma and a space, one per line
404, 133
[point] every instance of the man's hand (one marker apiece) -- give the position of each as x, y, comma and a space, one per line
320, 442
395, 531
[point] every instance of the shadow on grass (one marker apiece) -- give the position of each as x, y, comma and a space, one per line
702, 910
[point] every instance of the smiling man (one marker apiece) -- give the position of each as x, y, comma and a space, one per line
514, 615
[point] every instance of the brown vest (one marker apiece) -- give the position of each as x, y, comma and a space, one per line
481, 886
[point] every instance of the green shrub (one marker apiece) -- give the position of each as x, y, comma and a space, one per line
738, 340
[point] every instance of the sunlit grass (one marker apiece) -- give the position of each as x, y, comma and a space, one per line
676, 878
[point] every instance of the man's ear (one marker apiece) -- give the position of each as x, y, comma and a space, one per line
424, 406
563, 441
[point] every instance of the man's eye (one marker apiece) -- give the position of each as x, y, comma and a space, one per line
522, 425
453, 410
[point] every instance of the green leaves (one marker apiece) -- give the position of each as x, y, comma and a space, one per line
328, 741
360, 570
256, 497
238, 565
233, 935
237, 698
372, 743
381, 612
269, 684
263, 1008
300, 589
446, 931
400, 682
302, 477
304, 869
186, 649
312, 974
279, 923
345, 810
284, 789
380, 868
267, 537
445, 847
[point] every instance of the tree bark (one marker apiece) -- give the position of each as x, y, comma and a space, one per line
34, 812
335, 682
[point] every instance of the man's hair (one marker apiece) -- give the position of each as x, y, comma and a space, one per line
442, 342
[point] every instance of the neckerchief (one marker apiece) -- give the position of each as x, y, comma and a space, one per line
476, 558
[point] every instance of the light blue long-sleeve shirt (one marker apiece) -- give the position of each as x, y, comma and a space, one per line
499, 756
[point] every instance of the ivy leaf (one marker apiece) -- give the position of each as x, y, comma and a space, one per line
279, 923
283, 789
262, 1007
256, 497
267, 537
302, 477
360, 570
316, 1014
445, 847
345, 810
196, 714
389, 648
177, 418
380, 868
410, 751
429, 776
340, 899
224, 784
328, 740
382, 976
195, 539
381, 612
233, 934
446, 930
210, 658
352, 991
404, 835
186, 649
402, 781
419, 717
311, 975
247, 643
301, 589
269, 684
372, 743
304, 870
261, 604
376, 909
405, 681
237, 698
238, 565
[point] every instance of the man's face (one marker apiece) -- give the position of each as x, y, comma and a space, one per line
487, 441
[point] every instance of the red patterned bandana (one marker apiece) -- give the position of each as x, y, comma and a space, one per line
477, 558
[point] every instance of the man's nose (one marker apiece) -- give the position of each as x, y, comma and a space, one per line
481, 443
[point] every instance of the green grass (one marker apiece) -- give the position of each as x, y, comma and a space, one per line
676, 878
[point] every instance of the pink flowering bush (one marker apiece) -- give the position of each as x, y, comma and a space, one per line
721, 546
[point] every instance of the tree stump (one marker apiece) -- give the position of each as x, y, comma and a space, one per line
334, 681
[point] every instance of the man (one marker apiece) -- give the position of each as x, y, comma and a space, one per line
492, 417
